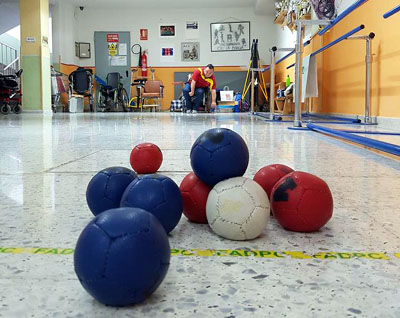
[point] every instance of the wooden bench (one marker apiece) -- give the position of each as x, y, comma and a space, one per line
283, 105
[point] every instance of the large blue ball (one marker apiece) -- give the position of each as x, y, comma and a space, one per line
106, 188
157, 194
219, 154
122, 256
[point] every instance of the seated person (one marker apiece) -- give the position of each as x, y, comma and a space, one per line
201, 79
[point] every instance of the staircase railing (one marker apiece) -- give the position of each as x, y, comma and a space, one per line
9, 59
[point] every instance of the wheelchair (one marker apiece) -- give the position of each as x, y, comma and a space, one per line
10, 94
81, 82
112, 95
205, 107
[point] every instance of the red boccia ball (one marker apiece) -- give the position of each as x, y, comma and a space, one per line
301, 202
194, 195
146, 158
267, 176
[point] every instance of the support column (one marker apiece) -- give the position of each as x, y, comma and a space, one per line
35, 55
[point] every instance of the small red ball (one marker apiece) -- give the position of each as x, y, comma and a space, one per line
146, 158
194, 195
267, 176
301, 202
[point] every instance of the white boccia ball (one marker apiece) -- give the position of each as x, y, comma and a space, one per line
238, 209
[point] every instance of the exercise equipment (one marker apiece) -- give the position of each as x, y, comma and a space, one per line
256, 78
392, 12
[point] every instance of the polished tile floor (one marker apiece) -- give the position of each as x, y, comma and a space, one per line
350, 268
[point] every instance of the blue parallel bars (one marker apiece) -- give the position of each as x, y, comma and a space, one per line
368, 142
391, 12
343, 37
285, 57
342, 16
290, 66
291, 53
349, 120
371, 133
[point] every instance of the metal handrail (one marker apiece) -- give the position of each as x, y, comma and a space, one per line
291, 53
285, 57
10, 47
291, 65
13, 62
9, 59
391, 12
343, 37
368, 142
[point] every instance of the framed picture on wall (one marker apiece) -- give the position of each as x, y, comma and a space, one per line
194, 25
167, 30
167, 53
190, 51
192, 30
230, 36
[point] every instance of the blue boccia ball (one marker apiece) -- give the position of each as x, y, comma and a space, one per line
219, 154
157, 194
106, 188
122, 256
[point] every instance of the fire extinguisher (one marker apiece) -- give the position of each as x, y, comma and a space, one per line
144, 64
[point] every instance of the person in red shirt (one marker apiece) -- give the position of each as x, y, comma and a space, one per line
201, 79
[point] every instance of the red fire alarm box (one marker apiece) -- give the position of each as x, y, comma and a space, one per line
144, 34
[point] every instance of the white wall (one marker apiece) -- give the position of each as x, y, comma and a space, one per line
91, 19
285, 39
64, 32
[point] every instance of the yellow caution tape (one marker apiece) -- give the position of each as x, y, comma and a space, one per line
36, 250
223, 253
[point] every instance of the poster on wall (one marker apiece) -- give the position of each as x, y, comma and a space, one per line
192, 29
122, 49
167, 30
230, 36
117, 61
190, 51
112, 49
167, 54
